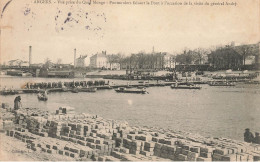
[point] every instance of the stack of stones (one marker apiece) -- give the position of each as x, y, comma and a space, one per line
7, 118
186, 148
88, 137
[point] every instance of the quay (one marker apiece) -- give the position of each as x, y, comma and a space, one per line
35, 88
86, 137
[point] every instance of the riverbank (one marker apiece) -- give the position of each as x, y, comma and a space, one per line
13, 149
90, 137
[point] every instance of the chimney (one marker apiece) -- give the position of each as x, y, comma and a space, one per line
75, 56
30, 55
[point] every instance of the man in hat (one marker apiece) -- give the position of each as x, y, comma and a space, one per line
248, 136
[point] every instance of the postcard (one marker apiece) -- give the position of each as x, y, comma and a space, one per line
129, 80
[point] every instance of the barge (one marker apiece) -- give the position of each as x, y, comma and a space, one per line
124, 90
8, 92
184, 87
221, 83
42, 97
91, 89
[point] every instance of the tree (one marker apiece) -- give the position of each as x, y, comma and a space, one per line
120, 59
245, 51
201, 54
47, 63
185, 58
113, 59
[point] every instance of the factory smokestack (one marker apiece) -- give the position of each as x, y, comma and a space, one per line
75, 56
30, 55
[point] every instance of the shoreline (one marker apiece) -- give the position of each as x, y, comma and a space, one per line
89, 137
15, 150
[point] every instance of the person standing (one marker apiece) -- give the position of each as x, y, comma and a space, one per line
17, 103
257, 138
248, 136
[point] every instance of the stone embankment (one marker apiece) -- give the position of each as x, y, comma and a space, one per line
90, 137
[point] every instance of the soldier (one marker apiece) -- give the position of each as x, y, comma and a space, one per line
248, 136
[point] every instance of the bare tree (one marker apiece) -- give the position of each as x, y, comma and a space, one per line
245, 51
47, 63
201, 54
113, 59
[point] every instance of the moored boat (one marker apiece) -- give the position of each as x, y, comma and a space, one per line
129, 86
8, 92
91, 89
42, 96
221, 83
104, 87
173, 86
124, 90
252, 82
31, 90
75, 90
26, 75
141, 87
161, 84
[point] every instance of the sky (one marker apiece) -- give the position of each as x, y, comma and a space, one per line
55, 30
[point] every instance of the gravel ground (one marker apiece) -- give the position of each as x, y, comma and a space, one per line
15, 150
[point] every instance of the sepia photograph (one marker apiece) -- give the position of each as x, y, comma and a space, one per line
129, 80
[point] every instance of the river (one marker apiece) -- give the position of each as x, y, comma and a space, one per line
211, 111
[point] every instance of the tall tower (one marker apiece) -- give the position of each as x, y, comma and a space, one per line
30, 55
75, 57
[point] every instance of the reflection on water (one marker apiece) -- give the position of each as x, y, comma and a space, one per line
211, 111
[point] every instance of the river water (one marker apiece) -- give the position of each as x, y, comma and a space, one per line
211, 111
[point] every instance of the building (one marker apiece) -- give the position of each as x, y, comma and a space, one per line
99, 60
81, 61
169, 61
87, 61
18, 63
